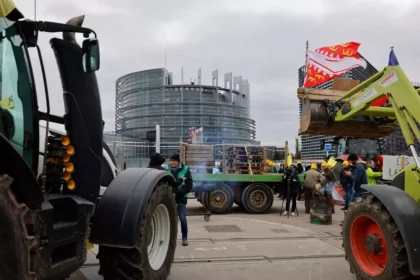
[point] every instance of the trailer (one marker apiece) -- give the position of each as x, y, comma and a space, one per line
242, 178
253, 193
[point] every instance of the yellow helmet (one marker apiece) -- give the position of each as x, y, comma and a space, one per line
314, 166
324, 164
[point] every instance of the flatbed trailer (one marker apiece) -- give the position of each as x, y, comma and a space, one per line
253, 192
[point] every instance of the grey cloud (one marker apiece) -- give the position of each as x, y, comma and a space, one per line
263, 41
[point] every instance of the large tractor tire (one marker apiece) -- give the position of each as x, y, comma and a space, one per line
372, 242
15, 243
153, 257
221, 199
257, 198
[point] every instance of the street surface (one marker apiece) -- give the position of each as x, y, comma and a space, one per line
264, 247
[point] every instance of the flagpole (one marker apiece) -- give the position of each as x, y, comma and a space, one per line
306, 61
306, 56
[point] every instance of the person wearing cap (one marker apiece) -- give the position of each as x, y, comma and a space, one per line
156, 161
330, 181
327, 172
347, 184
181, 188
313, 181
359, 176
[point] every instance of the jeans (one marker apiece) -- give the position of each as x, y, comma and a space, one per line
326, 190
348, 195
182, 214
293, 198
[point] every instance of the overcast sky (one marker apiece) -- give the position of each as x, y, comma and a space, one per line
263, 41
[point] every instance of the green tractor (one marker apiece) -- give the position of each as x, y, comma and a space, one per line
381, 229
47, 222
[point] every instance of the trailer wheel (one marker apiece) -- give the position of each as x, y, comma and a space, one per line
221, 199
17, 260
372, 242
153, 257
257, 198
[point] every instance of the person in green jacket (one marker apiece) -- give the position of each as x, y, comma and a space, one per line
372, 176
181, 188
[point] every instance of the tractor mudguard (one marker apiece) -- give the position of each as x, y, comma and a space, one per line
117, 219
406, 213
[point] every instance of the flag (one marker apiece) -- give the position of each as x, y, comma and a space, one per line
289, 160
327, 63
393, 61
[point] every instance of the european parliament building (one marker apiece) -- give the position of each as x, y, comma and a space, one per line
148, 98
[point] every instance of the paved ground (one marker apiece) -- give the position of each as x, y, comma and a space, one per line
264, 247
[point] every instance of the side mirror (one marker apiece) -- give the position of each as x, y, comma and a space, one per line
91, 56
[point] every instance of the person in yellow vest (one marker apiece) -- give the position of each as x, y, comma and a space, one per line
372, 176
182, 187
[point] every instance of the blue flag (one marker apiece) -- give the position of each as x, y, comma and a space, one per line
393, 61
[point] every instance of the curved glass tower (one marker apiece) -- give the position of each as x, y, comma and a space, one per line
148, 98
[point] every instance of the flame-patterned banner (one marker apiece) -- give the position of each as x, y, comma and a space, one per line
327, 63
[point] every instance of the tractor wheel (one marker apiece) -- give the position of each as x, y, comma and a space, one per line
372, 242
15, 243
221, 199
153, 256
257, 198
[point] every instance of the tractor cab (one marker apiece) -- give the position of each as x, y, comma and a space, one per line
365, 148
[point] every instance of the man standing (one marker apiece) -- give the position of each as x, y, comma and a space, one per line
347, 184
292, 183
359, 177
181, 189
313, 180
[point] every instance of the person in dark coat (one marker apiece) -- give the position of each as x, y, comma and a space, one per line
300, 168
292, 184
359, 176
181, 188
156, 161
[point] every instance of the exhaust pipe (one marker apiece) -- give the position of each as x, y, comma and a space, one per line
71, 36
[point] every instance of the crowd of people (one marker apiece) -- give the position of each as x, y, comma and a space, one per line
350, 174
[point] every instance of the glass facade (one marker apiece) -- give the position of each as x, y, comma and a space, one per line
148, 98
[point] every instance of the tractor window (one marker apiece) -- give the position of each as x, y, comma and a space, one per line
365, 148
15, 92
341, 150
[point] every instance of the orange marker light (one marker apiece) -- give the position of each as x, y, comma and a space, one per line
65, 140
66, 176
66, 158
71, 185
69, 167
70, 150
